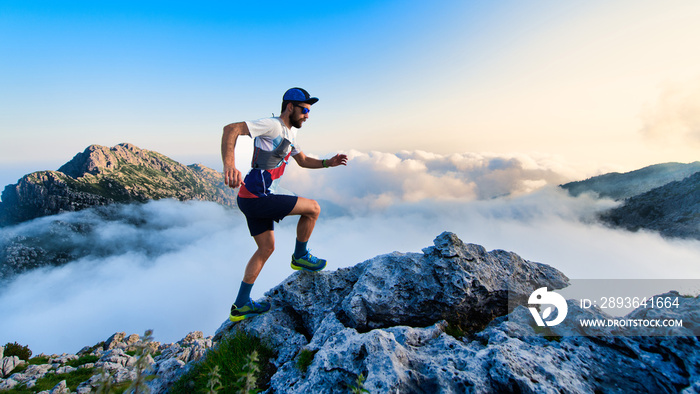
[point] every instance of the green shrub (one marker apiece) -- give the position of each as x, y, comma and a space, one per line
305, 358
232, 356
15, 349
39, 360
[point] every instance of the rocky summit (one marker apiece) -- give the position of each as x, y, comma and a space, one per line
438, 321
101, 176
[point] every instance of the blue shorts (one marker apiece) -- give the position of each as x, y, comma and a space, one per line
262, 212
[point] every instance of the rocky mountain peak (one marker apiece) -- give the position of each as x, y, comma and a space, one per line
97, 159
101, 176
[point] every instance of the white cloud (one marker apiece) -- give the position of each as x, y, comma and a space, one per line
378, 180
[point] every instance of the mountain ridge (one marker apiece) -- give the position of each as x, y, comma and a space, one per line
101, 176
672, 210
663, 198
620, 186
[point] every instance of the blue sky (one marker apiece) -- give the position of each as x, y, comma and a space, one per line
595, 85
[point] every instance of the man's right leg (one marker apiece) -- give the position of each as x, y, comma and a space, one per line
244, 307
309, 210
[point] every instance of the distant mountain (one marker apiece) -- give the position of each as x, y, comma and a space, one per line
663, 197
673, 210
620, 186
102, 176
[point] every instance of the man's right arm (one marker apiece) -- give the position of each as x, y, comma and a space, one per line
232, 177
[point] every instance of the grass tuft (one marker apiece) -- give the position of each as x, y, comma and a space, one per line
232, 355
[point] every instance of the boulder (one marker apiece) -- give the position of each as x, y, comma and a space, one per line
60, 388
440, 321
115, 341
8, 364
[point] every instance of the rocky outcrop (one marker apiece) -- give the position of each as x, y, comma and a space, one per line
362, 319
438, 322
101, 176
113, 361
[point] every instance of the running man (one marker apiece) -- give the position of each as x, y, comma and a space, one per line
275, 142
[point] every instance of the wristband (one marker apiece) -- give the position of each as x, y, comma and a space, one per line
323, 163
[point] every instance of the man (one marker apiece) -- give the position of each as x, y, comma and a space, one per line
275, 142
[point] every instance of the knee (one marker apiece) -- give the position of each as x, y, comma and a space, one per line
315, 209
266, 250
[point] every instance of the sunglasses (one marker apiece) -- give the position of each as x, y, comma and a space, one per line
304, 110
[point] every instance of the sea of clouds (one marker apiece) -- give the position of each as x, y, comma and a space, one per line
175, 267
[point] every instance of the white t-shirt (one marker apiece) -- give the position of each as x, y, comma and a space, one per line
270, 132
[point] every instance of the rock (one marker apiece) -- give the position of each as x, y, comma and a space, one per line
6, 384
133, 339
388, 319
60, 388
84, 388
114, 359
62, 359
37, 371
193, 336
65, 369
115, 341
9, 363
453, 281
168, 371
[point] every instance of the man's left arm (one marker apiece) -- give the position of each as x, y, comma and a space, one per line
309, 162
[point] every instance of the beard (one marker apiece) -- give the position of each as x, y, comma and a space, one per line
297, 122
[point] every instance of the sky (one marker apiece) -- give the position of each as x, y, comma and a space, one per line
596, 86
456, 115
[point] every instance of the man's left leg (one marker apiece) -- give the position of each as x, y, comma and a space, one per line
244, 307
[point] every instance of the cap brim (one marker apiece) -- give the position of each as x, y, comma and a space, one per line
311, 100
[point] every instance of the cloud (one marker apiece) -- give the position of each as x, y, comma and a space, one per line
176, 267
378, 180
675, 117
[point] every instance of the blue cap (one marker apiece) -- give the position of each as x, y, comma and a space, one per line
299, 95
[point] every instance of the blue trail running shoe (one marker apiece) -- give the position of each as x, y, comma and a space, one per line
308, 262
250, 309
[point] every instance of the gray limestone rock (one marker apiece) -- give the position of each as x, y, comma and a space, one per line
7, 364
60, 388
440, 322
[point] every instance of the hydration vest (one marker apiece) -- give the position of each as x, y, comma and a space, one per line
267, 160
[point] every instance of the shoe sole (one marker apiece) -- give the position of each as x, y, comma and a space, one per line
243, 317
301, 268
